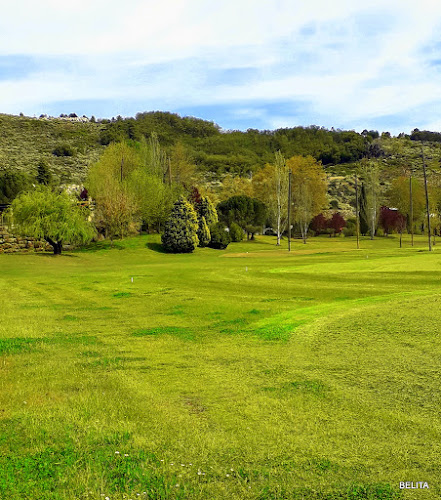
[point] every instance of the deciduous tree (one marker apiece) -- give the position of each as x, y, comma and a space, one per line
270, 185
309, 188
54, 217
371, 201
249, 213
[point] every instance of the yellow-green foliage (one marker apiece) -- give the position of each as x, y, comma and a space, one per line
180, 234
55, 217
203, 232
244, 374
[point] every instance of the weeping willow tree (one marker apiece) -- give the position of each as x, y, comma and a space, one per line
55, 217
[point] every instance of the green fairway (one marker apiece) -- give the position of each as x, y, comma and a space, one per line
249, 373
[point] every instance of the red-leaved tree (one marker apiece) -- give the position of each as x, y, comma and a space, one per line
389, 220
336, 223
319, 224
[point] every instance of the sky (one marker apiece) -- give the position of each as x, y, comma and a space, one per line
262, 64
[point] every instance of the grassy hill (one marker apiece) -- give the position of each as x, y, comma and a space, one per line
68, 147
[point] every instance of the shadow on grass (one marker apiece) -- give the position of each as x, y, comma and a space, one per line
156, 247
52, 255
97, 246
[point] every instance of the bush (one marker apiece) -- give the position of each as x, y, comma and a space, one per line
219, 237
236, 232
180, 234
12, 183
63, 150
350, 229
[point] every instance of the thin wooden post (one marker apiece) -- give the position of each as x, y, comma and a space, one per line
289, 210
357, 213
411, 207
427, 199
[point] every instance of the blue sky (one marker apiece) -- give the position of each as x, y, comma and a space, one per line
244, 64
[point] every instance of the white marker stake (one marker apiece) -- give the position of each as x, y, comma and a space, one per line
132, 279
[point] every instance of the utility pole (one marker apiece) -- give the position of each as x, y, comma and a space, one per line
357, 212
289, 210
411, 207
427, 199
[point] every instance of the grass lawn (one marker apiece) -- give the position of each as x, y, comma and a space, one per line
248, 373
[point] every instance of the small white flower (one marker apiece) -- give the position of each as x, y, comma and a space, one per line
161, 461
126, 454
182, 465
228, 475
116, 452
172, 464
232, 470
177, 486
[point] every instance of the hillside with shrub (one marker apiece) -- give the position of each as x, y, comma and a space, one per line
67, 146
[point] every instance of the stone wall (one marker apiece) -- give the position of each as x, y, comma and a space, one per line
10, 243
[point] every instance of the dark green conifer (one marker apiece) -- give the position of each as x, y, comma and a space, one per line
180, 234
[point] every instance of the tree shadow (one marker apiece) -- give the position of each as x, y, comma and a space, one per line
49, 254
156, 247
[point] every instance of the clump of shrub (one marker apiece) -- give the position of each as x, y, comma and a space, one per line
236, 232
63, 150
351, 228
220, 238
12, 183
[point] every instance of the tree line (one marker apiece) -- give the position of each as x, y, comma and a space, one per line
140, 185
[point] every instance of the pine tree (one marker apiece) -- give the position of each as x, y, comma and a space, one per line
207, 210
203, 233
180, 235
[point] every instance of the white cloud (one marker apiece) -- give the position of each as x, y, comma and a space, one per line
343, 59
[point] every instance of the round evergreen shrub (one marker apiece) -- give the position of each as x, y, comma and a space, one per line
180, 234
236, 232
203, 233
220, 238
